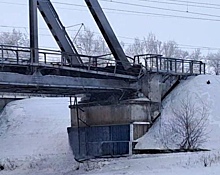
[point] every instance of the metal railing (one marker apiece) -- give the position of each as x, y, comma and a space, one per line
151, 62
157, 63
22, 56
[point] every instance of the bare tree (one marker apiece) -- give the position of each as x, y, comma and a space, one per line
137, 48
213, 61
14, 38
170, 49
152, 45
10, 41
195, 55
88, 43
187, 129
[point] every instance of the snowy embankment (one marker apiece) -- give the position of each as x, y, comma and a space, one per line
202, 94
33, 135
33, 139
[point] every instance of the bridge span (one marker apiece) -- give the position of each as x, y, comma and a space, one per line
123, 95
52, 75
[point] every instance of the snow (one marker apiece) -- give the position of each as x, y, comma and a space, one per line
34, 139
35, 131
201, 92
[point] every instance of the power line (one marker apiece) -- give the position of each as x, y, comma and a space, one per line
146, 13
176, 2
134, 12
173, 2
163, 15
159, 8
193, 2
12, 3
130, 38
70, 4
181, 4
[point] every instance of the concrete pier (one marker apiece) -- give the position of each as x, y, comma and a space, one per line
109, 130
100, 129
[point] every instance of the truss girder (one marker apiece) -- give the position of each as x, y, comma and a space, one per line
58, 31
108, 33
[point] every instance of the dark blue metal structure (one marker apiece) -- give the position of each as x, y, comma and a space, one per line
98, 141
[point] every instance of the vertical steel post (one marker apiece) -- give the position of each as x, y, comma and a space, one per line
191, 67
2, 49
176, 66
33, 31
157, 63
160, 63
183, 66
78, 125
200, 68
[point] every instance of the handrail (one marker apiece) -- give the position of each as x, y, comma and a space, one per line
151, 62
20, 55
157, 63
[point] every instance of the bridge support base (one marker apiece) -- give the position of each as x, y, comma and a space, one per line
109, 130
108, 140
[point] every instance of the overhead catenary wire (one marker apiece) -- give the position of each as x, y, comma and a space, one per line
186, 46
138, 12
149, 13
70, 4
160, 8
194, 2
181, 4
174, 2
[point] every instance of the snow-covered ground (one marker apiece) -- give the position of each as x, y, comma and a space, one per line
33, 136
33, 140
200, 94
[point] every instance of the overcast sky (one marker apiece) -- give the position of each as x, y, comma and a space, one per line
136, 19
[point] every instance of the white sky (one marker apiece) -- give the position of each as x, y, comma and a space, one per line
184, 31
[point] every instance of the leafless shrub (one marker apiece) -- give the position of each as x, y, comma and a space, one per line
187, 129
209, 160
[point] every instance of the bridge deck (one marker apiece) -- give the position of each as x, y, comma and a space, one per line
52, 75
93, 66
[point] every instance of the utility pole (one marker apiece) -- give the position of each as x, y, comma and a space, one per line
33, 22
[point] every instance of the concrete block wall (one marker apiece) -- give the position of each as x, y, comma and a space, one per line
124, 113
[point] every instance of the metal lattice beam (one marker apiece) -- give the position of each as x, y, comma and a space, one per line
108, 33
58, 31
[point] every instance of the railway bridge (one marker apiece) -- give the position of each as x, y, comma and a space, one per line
121, 95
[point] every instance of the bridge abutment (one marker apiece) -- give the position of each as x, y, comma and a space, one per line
100, 129
109, 130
